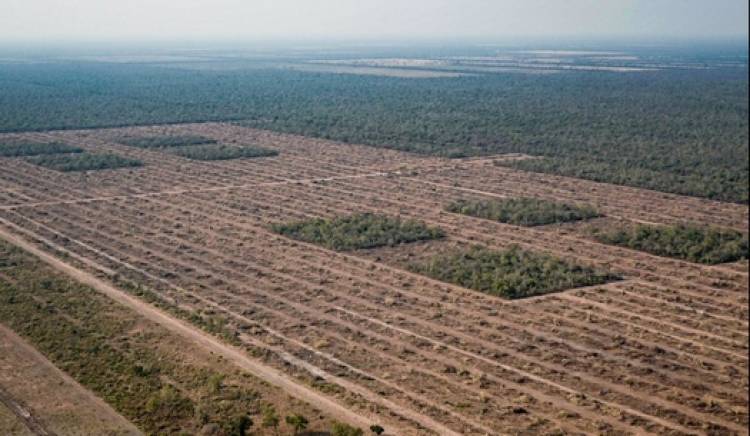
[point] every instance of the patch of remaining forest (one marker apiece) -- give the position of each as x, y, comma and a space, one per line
196, 147
692, 243
84, 161
512, 273
36, 148
523, 211
359, 231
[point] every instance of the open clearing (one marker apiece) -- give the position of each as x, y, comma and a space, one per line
664, 351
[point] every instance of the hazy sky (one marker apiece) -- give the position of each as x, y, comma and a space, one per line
368, 19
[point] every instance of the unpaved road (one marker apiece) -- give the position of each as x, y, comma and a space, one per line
270, 375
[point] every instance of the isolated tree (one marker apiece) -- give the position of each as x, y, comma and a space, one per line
297, 422
378, 430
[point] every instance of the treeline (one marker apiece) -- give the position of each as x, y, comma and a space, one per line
682, 131
220, 152
34, 149
167, 141
84, 161
695, 244
513, 273
715, 183
523, 211
359, 231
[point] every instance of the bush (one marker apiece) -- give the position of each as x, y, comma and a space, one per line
341, 429
359, 231
221, 152
511, 273
84, 162
523, 211
167, 141
695, 244
34, 149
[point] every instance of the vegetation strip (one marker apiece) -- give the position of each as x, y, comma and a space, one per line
34, 149
167, 141
84, 162
511, 273
523, 211
359, 231
220, 152
695, 244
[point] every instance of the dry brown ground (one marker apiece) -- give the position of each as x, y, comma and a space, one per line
61, 406
664, 351
10, 423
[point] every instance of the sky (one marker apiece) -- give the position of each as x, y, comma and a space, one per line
92, 20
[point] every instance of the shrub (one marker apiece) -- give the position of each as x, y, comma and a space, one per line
34, 149
511, 273
84, 162
359, 231
270, 418
297, 422
695, 244
341, 429
167, 141
523, 211
221, 152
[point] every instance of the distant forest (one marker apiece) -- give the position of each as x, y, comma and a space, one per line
680, 131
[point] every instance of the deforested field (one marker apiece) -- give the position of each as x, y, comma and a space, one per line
660, 346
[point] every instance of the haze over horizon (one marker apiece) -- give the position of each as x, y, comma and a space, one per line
92, 20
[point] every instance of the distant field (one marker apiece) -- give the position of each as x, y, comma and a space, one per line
675, 122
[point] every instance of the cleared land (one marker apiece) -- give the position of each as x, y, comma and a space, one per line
664, 351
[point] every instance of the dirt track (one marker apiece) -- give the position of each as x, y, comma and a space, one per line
50, 396
664, 351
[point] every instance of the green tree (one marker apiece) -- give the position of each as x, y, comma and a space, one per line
378, 430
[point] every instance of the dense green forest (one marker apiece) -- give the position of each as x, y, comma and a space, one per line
220, 152
34, 149
84, 161
167, 141
359, 231
523, 211
675, 130
695, 244
511, 273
